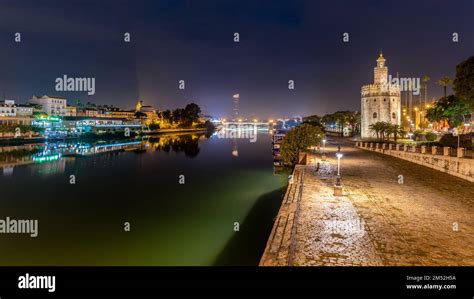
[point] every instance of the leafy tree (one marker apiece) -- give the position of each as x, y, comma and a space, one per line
299, 139
457, 112
436, 112
314, 120
192, 112
178, 116
166, 115
463, 84
451, 109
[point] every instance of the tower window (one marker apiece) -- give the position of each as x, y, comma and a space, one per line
375, 100
375, 115
393, 100
384, 100
394, 115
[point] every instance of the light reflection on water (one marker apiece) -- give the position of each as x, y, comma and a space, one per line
136, 181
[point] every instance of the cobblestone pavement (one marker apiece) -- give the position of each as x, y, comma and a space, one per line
428, 219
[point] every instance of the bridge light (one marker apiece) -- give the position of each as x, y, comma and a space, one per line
240, 120
255, 120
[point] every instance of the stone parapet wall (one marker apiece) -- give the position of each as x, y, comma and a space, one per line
456, 166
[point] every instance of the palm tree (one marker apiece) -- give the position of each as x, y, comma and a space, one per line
376, 128
445, 82
388, 129
396, 130
379, 128
382, 129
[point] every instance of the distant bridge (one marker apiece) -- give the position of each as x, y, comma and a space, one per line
244, 123
285, 123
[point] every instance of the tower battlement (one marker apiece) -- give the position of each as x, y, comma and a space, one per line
377, 89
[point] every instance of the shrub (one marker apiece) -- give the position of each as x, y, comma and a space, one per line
452, 141
419, 135
430, 136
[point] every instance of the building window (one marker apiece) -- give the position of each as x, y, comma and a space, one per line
393, 100
384, 100
375, 100
394, 115
375, 115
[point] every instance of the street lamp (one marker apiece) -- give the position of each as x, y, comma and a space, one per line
324, 145
339, 156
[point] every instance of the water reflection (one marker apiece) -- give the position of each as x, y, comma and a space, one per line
136, 181
188, 144
235, 149
51, 157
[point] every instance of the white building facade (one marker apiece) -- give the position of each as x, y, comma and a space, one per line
24, 110
7, 108
51, 105
380, 101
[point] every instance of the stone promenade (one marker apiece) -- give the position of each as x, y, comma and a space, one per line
392, 212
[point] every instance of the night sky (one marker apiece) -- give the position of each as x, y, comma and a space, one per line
193, 41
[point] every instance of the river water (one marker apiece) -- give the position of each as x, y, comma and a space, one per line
171, 200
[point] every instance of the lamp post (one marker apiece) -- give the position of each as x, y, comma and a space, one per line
338, 184
324, 145
339, 156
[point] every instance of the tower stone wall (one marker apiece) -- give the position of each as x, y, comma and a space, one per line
380, 101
